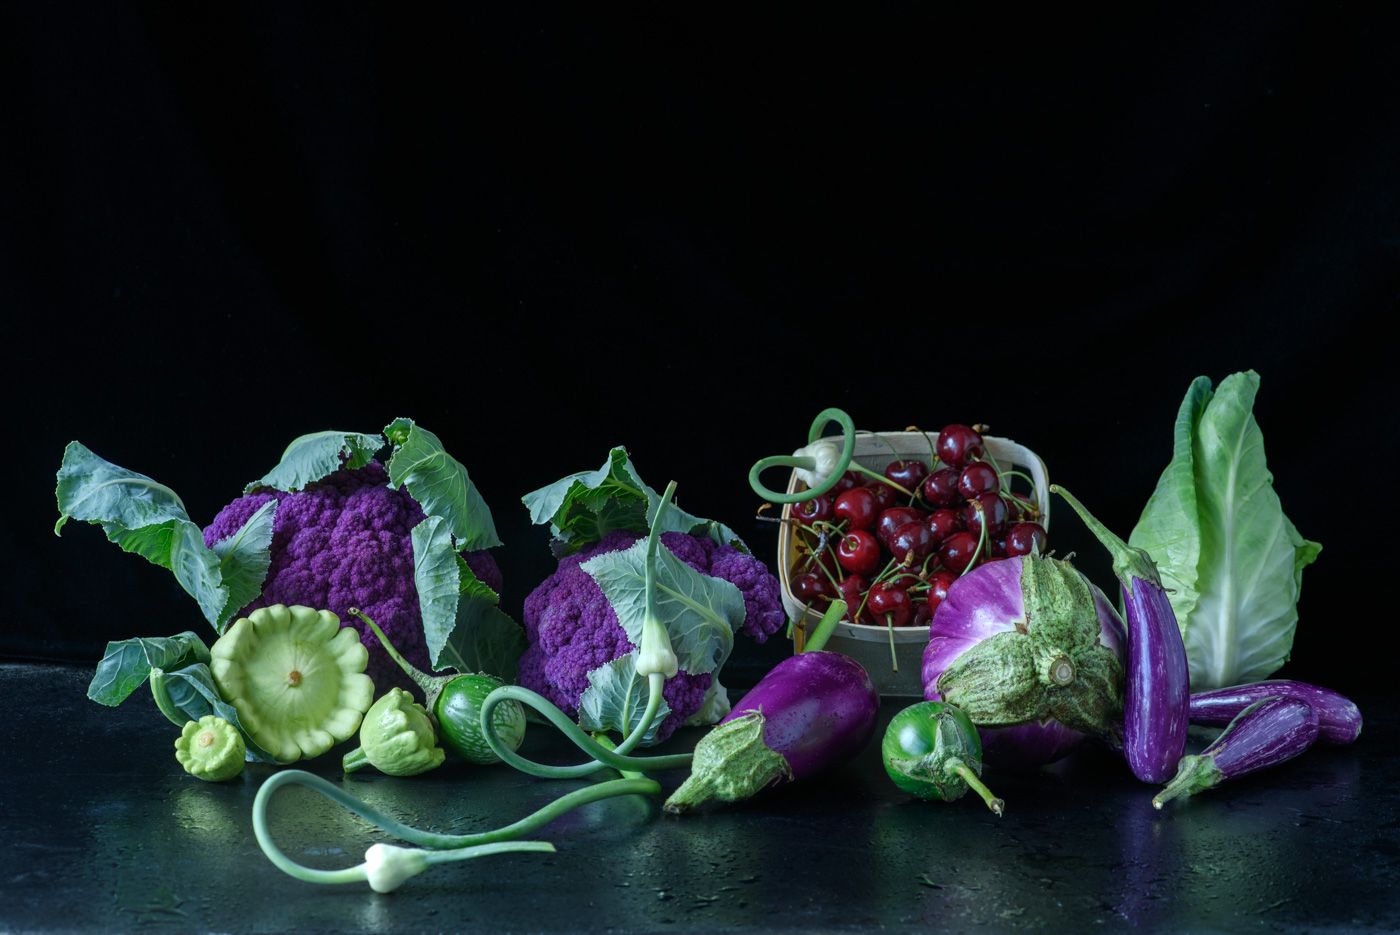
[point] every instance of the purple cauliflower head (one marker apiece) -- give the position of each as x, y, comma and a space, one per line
572, 629
345, 542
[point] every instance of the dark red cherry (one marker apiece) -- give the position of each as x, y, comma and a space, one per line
938, 584
907, 474
957, 551
890, 521
859, 552
1023, 538
923, 613
913, 537
943, 523
890, 604
941, 488
885, 495
851, 589
812, 587
849, 481
993, 508
978, 478
811, 511
858, 508
958, 444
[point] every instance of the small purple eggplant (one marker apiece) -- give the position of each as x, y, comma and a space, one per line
1266, 733
1338, 720
811, 712
1158, 690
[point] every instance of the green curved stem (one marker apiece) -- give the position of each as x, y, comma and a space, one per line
654, 652
431, 685
602, 757
974, 782
848, 448
655, 683
862, 469
486, 850
889, 625
164, 704
825, 627
452, 846
981, 538
606, 741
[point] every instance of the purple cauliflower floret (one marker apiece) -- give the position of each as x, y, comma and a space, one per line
572, 629
345, 542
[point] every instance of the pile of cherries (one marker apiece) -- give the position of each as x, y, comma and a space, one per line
891, 545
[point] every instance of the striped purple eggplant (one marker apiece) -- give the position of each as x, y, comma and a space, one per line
1265, 734
1338, 720
1032, 653
811, 712
1156, 698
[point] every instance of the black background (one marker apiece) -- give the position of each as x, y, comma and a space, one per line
544, 233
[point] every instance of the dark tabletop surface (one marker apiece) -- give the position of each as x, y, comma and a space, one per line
106, 832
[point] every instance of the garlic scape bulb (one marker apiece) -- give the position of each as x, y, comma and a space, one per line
296, 677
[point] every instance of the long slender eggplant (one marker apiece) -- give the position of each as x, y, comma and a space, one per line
1156, 699
1266, 733
1338, 720
811, 712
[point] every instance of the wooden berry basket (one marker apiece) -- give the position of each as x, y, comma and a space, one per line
870, 645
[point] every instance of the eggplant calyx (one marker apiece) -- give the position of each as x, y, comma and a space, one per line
1193, 774
1055, 667
731, 763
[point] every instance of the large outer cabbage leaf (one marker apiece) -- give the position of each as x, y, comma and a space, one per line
1231, 560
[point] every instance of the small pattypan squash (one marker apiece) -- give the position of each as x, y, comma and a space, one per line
397, 738
211, 749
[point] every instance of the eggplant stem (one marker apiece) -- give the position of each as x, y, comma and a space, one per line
974, 782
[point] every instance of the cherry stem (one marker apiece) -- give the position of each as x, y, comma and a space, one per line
932, 448
889, 625
881, 478
981, 537
883, 572
1012, 472
884, 441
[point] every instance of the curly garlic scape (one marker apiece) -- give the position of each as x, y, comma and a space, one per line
296, 678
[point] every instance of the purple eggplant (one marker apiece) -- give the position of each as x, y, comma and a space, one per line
1158, 690
1032, 653
1265, 734
1338, 720
811, 712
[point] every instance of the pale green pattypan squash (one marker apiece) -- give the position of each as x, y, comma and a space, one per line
211, 749
397, 738
296, 677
